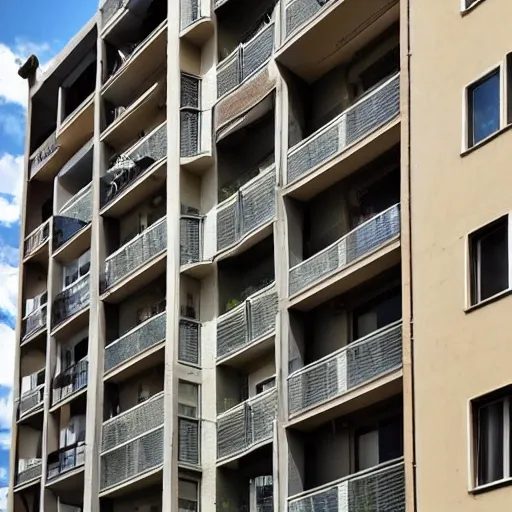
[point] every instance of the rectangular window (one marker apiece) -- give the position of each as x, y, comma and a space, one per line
484, 107
190, 115
188, 422
77, 269
188, 495
491, 439
488, 251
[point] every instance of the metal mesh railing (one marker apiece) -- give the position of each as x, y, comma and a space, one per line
132, 459
31, 400
188, 432
361, 119
133, 423
300, 11
190, 12
359, 242
80, 206
379, 489
69, 381
136, 341
31, 472
357, 363
136, 253
37, 238
246, 425
44, 152
190, 239
34, 322
188, 345
190, 115
109, 8
245, 60
250, 208
144, 154
71, 301
248, 322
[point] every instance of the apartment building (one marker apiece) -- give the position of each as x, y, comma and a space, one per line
265, 261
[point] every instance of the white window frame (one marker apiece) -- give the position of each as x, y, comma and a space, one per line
197, 483
464, 7
196, 418
474, 437
469, 265
78, 262
501, 68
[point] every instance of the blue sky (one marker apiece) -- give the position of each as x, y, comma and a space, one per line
26, 26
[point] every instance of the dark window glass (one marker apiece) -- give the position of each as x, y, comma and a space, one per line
484, 108
490, 443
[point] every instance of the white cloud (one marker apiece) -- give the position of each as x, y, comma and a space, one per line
8, 291
11, 182
13, 89
5, 419
5, 440
6, 369
3, 498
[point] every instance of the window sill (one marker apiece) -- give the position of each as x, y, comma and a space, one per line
467, 10
491, 486
489, 300
483, 142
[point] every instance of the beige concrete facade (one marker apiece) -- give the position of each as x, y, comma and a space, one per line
247, 283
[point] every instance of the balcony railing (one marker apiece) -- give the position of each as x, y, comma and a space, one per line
32, 470
380, 488
70, 301
300, 11
133, 423
191, 227
189, 341
248, 58
359, 362
75, 215
133, 459
35, 319
361, 241
252, 206
248, 322
368, 114
65, 459
70, 381
136, 341
44, 152
31, 400
136, 253
190, 12
247, 425
37, 238
133, 164
109, 8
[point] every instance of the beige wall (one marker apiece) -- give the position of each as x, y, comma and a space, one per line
457, 355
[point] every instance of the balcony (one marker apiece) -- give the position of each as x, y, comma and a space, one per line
31, 401
245, 61
70, 301
360, 362
70, 381
136, 342
31, 472
189, 341
34, 320
195, 22
78, 127
246, 426
46, 160
64, 461
36, 242
249, 209
73, 217
359, 243
247, 324
138, 254
132, 444
138, 174
320, 34
358, 122
379, 488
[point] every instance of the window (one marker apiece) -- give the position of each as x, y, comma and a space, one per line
188, 414
484, 107
187, 495
488, 252
468, 3
378, 443
491, 441
265, 385
76, 269
190, 115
